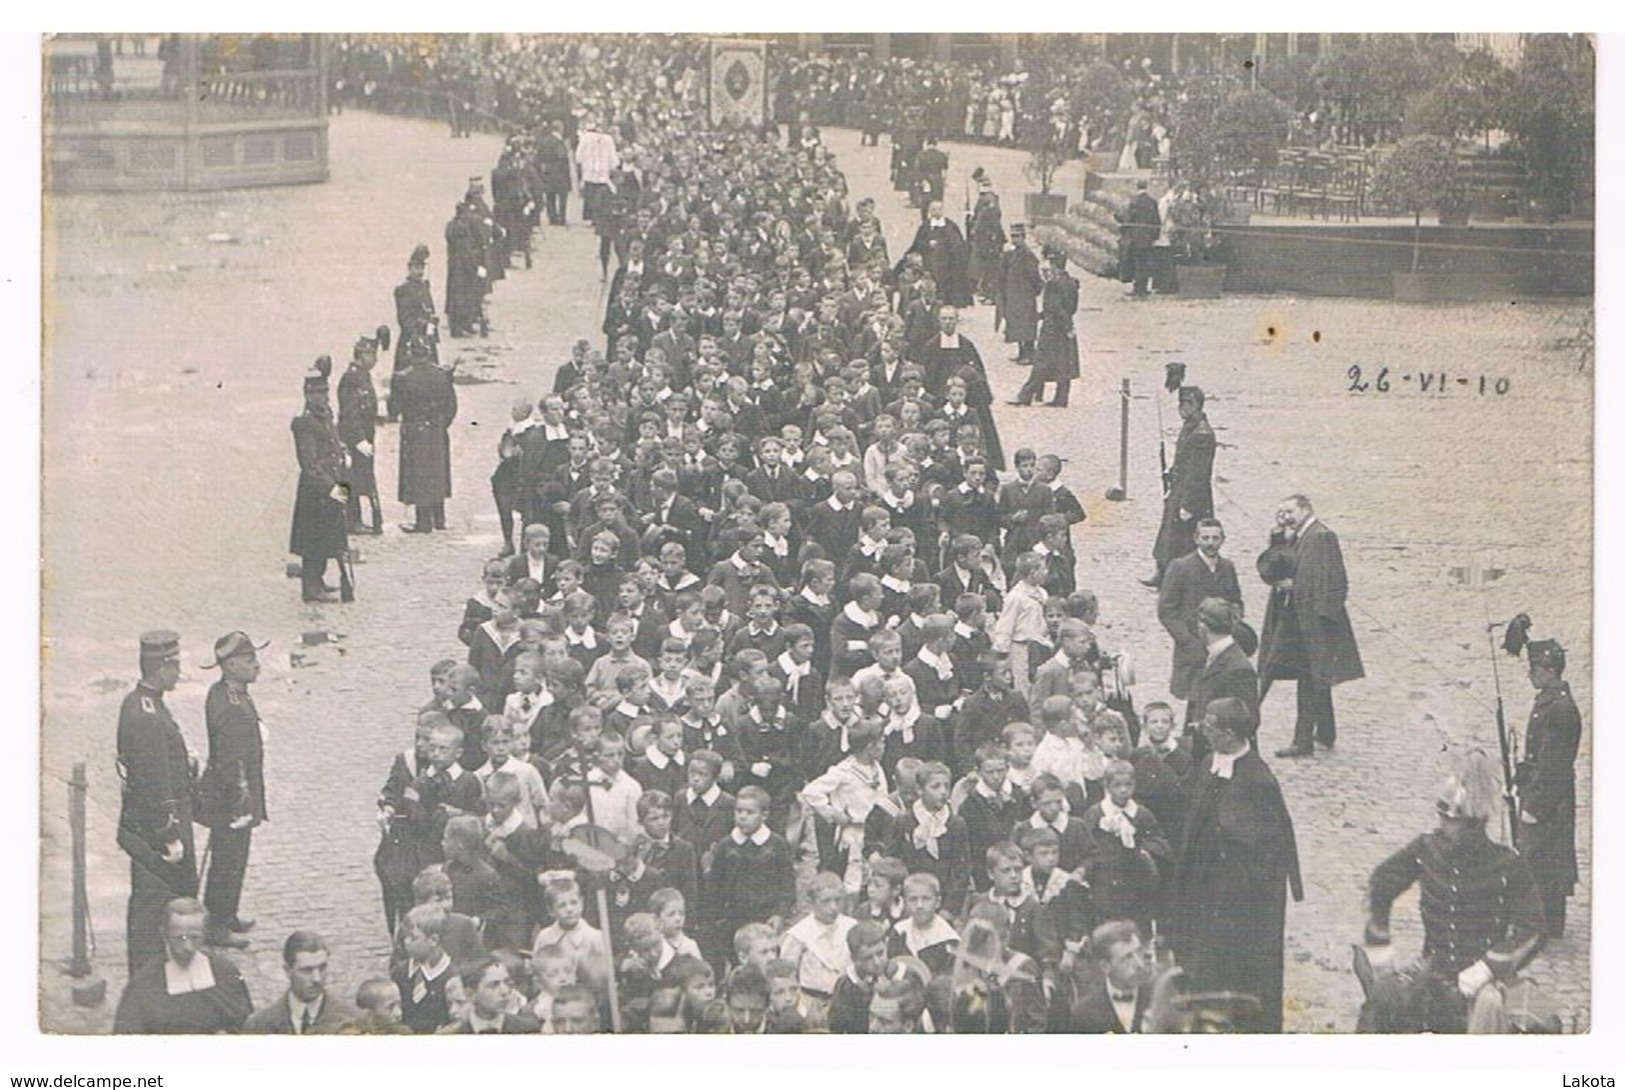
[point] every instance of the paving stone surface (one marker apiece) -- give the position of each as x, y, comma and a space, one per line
173, 370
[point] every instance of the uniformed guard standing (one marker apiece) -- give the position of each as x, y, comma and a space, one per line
358, 428
415, 314
155, 820
233, 786
318, 533
1481, 912
1188, 486
1546, 783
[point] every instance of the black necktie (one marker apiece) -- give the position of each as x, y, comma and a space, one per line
306, 1020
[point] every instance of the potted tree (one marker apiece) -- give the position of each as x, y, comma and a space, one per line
1044, 162
1221, 132
1419, 175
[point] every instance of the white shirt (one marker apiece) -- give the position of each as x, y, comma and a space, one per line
297, 1009
710, 797
596, 156
660, 759
1219, 646
916, 939
758, 838
1068, 759
819, 951
1224, 764
793, 673
195, 977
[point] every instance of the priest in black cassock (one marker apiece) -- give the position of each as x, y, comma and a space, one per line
941, 244
1238, 860
950, 354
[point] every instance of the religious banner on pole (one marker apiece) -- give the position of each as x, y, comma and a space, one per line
738, 82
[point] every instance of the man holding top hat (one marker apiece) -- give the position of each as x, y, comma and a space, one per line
233, 786
319, 533
1545, 835
155, 820
1320, 586
1238, 859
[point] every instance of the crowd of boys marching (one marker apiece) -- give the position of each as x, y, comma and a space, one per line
781, 710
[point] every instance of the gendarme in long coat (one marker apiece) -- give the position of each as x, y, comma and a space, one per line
1190, 490
428, 404
1546, 792
1238, 861
1320, 587
319, 531
1018, 287
1056, 356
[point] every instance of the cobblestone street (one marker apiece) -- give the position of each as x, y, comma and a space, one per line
173, 368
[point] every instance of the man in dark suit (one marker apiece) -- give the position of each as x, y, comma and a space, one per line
1141, 223
490, 993
1226, 671
1188, 485
428, 404
233, 785
1189, 581
552, 161
305, 1009
1319, 588
1115, 998
672, 518
1237, 861
155, 821
1016, 293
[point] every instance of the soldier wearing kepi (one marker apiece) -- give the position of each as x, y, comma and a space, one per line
415, 314
1546, 783
1188, 487
1481, 911
318, 533
155, 820
358, 428
233, 786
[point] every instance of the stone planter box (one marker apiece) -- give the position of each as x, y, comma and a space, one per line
1454, 287
1201, 281
1044, 207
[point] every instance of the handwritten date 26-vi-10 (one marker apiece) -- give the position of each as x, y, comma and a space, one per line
1387, 380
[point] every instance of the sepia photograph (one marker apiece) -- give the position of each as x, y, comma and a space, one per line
802, 533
